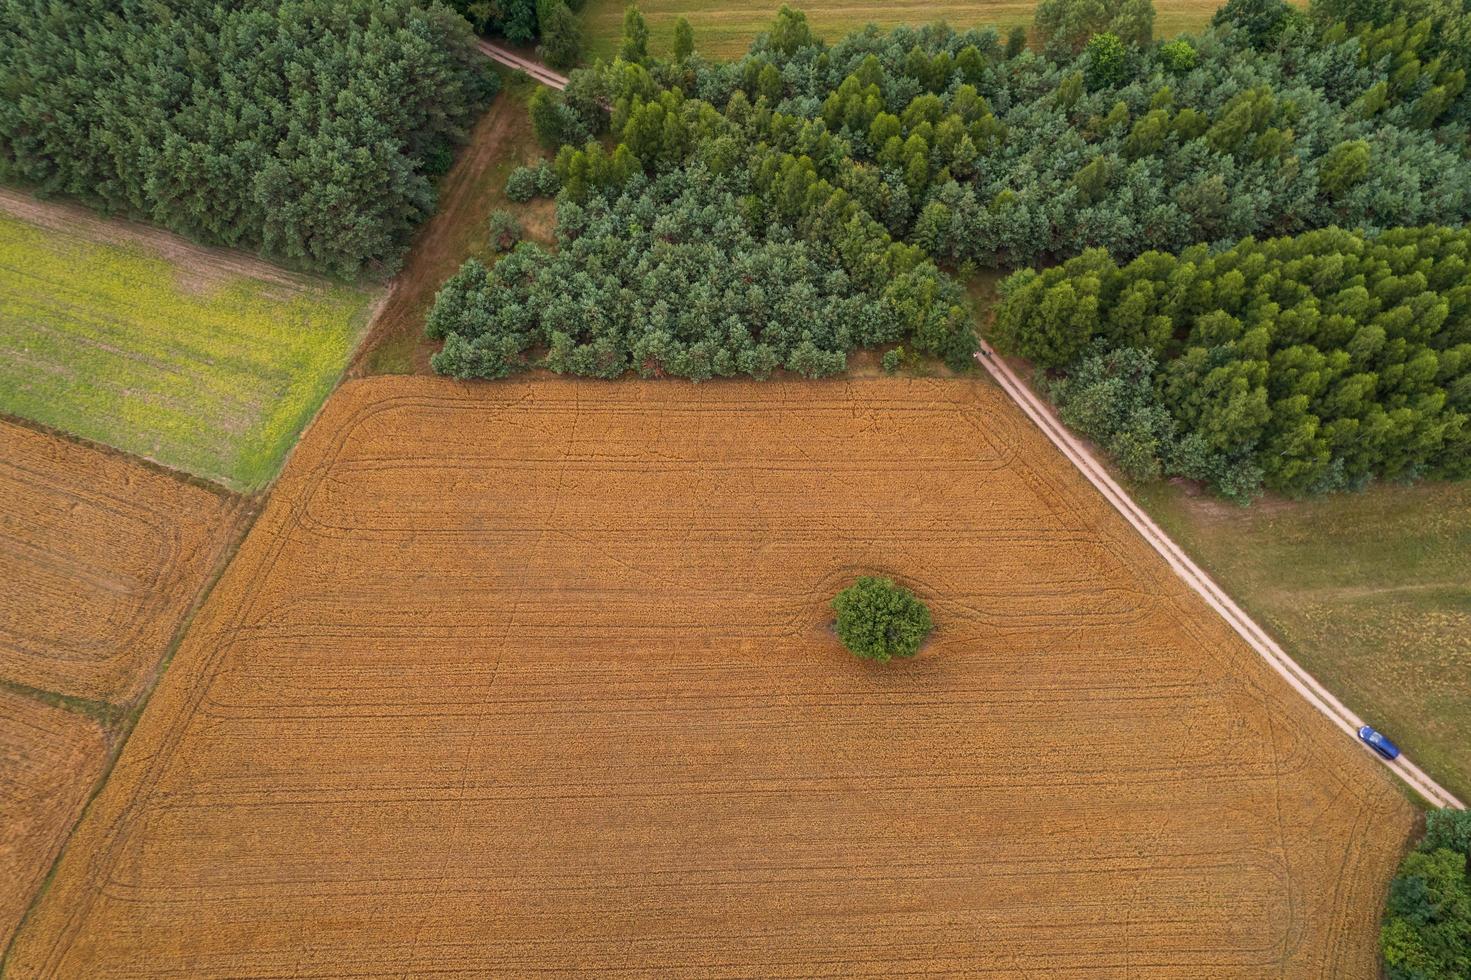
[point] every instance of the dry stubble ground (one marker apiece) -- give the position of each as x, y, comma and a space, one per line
104, 556
49, 760
538, 676
101, 558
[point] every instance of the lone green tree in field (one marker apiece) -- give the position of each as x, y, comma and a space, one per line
878, 620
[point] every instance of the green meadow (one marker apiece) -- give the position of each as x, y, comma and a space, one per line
196, 361
1371, 592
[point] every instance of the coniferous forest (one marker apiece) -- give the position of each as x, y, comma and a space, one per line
309, 131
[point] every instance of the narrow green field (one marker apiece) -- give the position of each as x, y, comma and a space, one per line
1370, 592
725, 30
196, 359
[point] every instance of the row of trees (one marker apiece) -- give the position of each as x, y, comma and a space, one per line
677, 276
1300, 364
307, 130
1269, 122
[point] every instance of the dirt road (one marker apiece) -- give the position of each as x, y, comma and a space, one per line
511, 59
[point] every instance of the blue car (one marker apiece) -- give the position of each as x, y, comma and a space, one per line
1379, 743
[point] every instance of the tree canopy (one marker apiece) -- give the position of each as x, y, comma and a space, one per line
1268, 123
878, 620
1303, 364
307, 130
1426, 933
676, 276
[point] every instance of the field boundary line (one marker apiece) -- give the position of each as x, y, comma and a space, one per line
1194, 576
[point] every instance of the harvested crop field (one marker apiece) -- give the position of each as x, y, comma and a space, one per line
103, 556
49, 760
538, 677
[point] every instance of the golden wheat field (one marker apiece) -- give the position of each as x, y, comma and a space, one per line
538, 677
106, 555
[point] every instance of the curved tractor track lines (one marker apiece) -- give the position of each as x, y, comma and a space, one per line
101, 559
594, 719
111, 554
1196, 578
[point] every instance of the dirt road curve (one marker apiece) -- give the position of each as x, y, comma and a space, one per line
511, 59
1302, 682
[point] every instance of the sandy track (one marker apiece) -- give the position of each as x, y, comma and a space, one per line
1193, 575
104, 556
528, 677
538, 71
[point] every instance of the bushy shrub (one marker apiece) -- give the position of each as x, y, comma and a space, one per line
548, 182
1178, 57
893, 360
554, 122
504, 231
1426, 933
521, 185
1106, 63
878, 620
209, 119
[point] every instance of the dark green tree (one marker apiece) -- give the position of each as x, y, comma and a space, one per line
790, 33
1016, 41
878, 620
635, 36
1426, 933
1258, 23
684, 41
561, 34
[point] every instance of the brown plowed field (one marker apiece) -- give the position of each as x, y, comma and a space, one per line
49, 761
103, 557
525, 678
